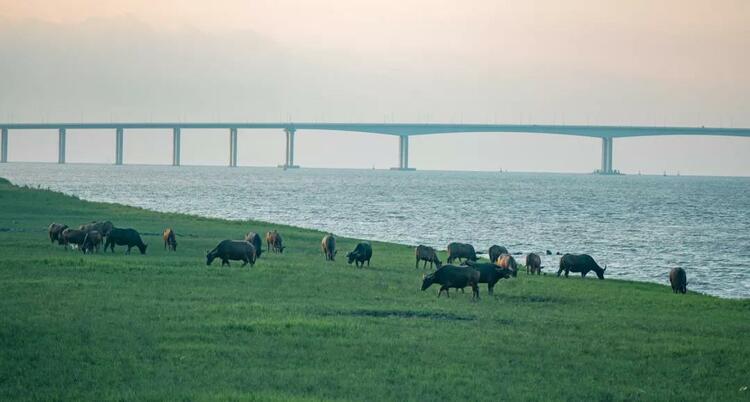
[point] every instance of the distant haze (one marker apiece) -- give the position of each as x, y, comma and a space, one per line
573, 62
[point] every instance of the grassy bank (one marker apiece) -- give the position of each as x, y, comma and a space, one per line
164, 326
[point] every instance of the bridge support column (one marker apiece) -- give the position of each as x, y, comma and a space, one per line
289, 162
403, 153
176, 146
606, 156
61, 146
4, 145
118, 145
232, 147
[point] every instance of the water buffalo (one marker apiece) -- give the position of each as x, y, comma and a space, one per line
426, 254
274, 242
55, 230
125, 237
72, 237
451, 276
457, 251
533, 264
254, 239
169, 239
91, 242
103, 227
490, 274
328, 246
508, 262
678, 280
496, 251
238, 250
360, 254
582, 263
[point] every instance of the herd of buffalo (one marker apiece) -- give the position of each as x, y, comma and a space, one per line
89, 237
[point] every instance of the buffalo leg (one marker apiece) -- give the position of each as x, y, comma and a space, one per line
244, 262
583, 274
475, 291
129, 247
559, 271
490, 289
368, 263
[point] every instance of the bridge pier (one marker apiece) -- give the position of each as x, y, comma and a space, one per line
403, 153
61, 146
289, 161
606, 167
4, 144
176, 146
118, 145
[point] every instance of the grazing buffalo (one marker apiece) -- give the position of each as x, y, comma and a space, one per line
254, 239
426, 254
451, 276
361, 253
274, 242
73, 237
125, 237
490, 274
496, 251
457, 251
678, 279
238, 250
55, 230
582, 263
328, 246
533, 264
92, 242
170, 241
103, 227
507, 261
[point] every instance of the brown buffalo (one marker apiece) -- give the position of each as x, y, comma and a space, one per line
457, 251
170, 242
678, 280
274, 242
451, 276
92, 242
254, 239
103, 227
55, 230
582, 263
533, 264
72, 237
508, 262
328, 246
426, 254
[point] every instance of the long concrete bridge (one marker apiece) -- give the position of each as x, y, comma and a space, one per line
403, 131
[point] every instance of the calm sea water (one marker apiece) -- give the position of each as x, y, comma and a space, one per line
639, 226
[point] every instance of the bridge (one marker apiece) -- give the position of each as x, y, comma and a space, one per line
402, 130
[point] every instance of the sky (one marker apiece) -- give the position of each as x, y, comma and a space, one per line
475, 61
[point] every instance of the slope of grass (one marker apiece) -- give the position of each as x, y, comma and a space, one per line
295, 327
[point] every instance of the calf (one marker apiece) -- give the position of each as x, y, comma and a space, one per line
170, 242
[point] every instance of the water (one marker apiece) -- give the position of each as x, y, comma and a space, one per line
639, 226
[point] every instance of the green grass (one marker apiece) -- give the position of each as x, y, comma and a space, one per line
164, 326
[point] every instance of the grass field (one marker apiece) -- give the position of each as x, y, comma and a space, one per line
164, 326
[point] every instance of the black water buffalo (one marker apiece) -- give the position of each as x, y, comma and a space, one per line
72, 237
533, 264
508, 262
496, 251
91, 242
426, 254
457, 251
103, 227
170, 239
238, 250
254, 239
451, 276
678, 280
360, 254
125, 237
55, 230
490, 274
328, 246
274, 242
582, 263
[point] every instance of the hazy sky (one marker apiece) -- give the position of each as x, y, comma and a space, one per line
597, 62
